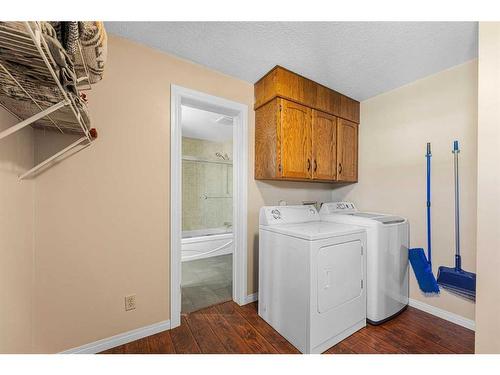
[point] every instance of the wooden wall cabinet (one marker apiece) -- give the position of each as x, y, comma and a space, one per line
304, 131
347, 151
324, 140
295, 140
280, 82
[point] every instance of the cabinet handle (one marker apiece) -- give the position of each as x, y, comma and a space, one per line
308, 164
315, 165
340, 168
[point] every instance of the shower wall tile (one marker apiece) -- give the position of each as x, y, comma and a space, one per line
201, 178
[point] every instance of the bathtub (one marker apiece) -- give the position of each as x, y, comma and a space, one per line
205, 243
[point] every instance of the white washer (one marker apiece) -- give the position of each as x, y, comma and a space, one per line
311, 277
387, 257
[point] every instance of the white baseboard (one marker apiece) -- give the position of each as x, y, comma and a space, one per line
120, 339
446, 315
251, 298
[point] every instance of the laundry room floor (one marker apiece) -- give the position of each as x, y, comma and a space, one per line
229, 328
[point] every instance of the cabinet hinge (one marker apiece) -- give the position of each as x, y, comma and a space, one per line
281, 107
279, 167
362, 248
361, 284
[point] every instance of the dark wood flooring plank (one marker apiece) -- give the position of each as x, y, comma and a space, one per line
249, 312
183, 340
161, 343
136, 347
460, 340
340, 348
433, 331
359, 348
399, 342
425, 346
226, 334
255, 341
380, 344
207, 310
355, 343
204, 335
439, 322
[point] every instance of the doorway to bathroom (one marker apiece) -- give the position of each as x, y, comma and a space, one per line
208, 201
207, 209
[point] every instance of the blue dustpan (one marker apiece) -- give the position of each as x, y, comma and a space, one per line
455, 279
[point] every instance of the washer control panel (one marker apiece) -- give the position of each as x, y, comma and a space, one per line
338, 207
270, 215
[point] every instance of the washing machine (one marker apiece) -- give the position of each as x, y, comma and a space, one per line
387, 257
312, 277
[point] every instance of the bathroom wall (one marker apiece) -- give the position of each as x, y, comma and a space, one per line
488, 191
207, 187
393, 133
16, 238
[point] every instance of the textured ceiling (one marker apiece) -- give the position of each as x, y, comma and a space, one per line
359, 59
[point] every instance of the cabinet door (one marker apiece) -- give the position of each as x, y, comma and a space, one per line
324, 133
267, 127
295, 141
347, 151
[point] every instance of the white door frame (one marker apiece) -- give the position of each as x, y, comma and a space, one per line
183, 96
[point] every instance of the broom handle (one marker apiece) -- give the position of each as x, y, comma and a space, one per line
456, 151
428, 157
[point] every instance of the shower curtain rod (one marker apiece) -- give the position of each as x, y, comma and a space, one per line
201, 160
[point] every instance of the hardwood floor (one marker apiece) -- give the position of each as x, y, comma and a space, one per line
229, 328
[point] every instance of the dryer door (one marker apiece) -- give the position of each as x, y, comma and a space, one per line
340, 274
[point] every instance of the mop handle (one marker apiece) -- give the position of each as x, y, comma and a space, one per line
456, 151
428, 157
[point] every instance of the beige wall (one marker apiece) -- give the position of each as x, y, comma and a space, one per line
16, 239
102, 216
394, 129
488, 191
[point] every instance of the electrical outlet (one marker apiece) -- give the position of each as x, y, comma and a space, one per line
130, 302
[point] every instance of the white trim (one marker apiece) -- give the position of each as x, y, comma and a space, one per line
180, 95
446, 315
175, 205
251, 298
240, 211
120, 339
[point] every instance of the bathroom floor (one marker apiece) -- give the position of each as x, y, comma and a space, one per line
206, 282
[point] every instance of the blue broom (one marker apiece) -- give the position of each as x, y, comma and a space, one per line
420, 264
455, 279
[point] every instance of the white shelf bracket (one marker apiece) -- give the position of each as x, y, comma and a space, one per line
33, 118
55, 156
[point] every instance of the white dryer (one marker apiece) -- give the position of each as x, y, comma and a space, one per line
387, 257
311, 277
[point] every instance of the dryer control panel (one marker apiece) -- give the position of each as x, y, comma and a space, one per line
270, 215
338, 207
